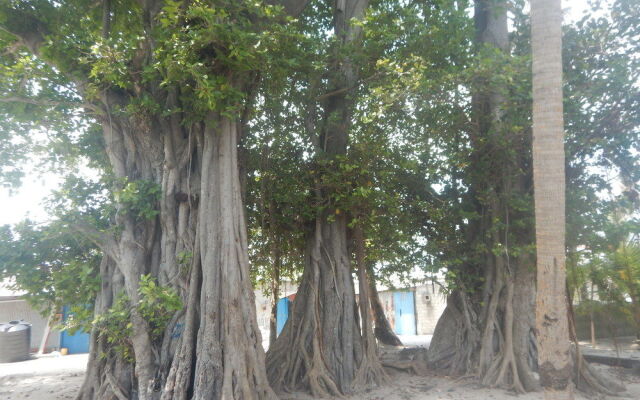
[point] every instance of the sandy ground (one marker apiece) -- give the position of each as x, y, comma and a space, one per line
45, 378
408, 387
58, 378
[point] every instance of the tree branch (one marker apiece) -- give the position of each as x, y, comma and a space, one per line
106, 242
29, 30
346, 89
294, 7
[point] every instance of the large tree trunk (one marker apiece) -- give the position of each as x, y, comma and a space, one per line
230, 357
487, 327
549, 185
217, 350
490, 335
561, 363
321, 348
137, 149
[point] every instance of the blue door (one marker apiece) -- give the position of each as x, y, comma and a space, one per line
282, 314
76, 343
405, 313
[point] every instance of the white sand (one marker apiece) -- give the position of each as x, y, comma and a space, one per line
57, 378
44, 378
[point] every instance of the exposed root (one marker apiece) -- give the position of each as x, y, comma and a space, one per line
412, 360
503, 371
454, 340
115, 388
306, 369
590, 381
476, 337
412, 367
321, 349
370, 371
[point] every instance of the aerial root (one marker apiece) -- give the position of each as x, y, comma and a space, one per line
410, 366
371, 371
503, 368
302, 368
504, 365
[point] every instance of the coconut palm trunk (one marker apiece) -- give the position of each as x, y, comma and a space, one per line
554, 351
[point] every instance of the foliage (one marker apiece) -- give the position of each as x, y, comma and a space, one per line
139, 198
602, 126
53, 266
157, 305
621, 283
602, 121
116, 328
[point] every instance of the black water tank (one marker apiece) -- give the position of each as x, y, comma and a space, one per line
15, 341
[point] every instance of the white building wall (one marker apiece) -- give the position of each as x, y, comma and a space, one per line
386, 298
428, 309
263, 308
263, 312
16, 310
430, 304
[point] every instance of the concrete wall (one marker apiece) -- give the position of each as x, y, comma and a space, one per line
263, 307
263, 313
11, 310
386, 298
428, 310
430, 304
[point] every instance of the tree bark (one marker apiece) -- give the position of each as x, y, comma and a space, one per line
320, 346
487, 327
230, 357
321, 349
370, 369
549, 185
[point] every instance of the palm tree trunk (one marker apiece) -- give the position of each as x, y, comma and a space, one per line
554, 351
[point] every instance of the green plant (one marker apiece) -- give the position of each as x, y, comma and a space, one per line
157, 304
115, 326
139, 198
